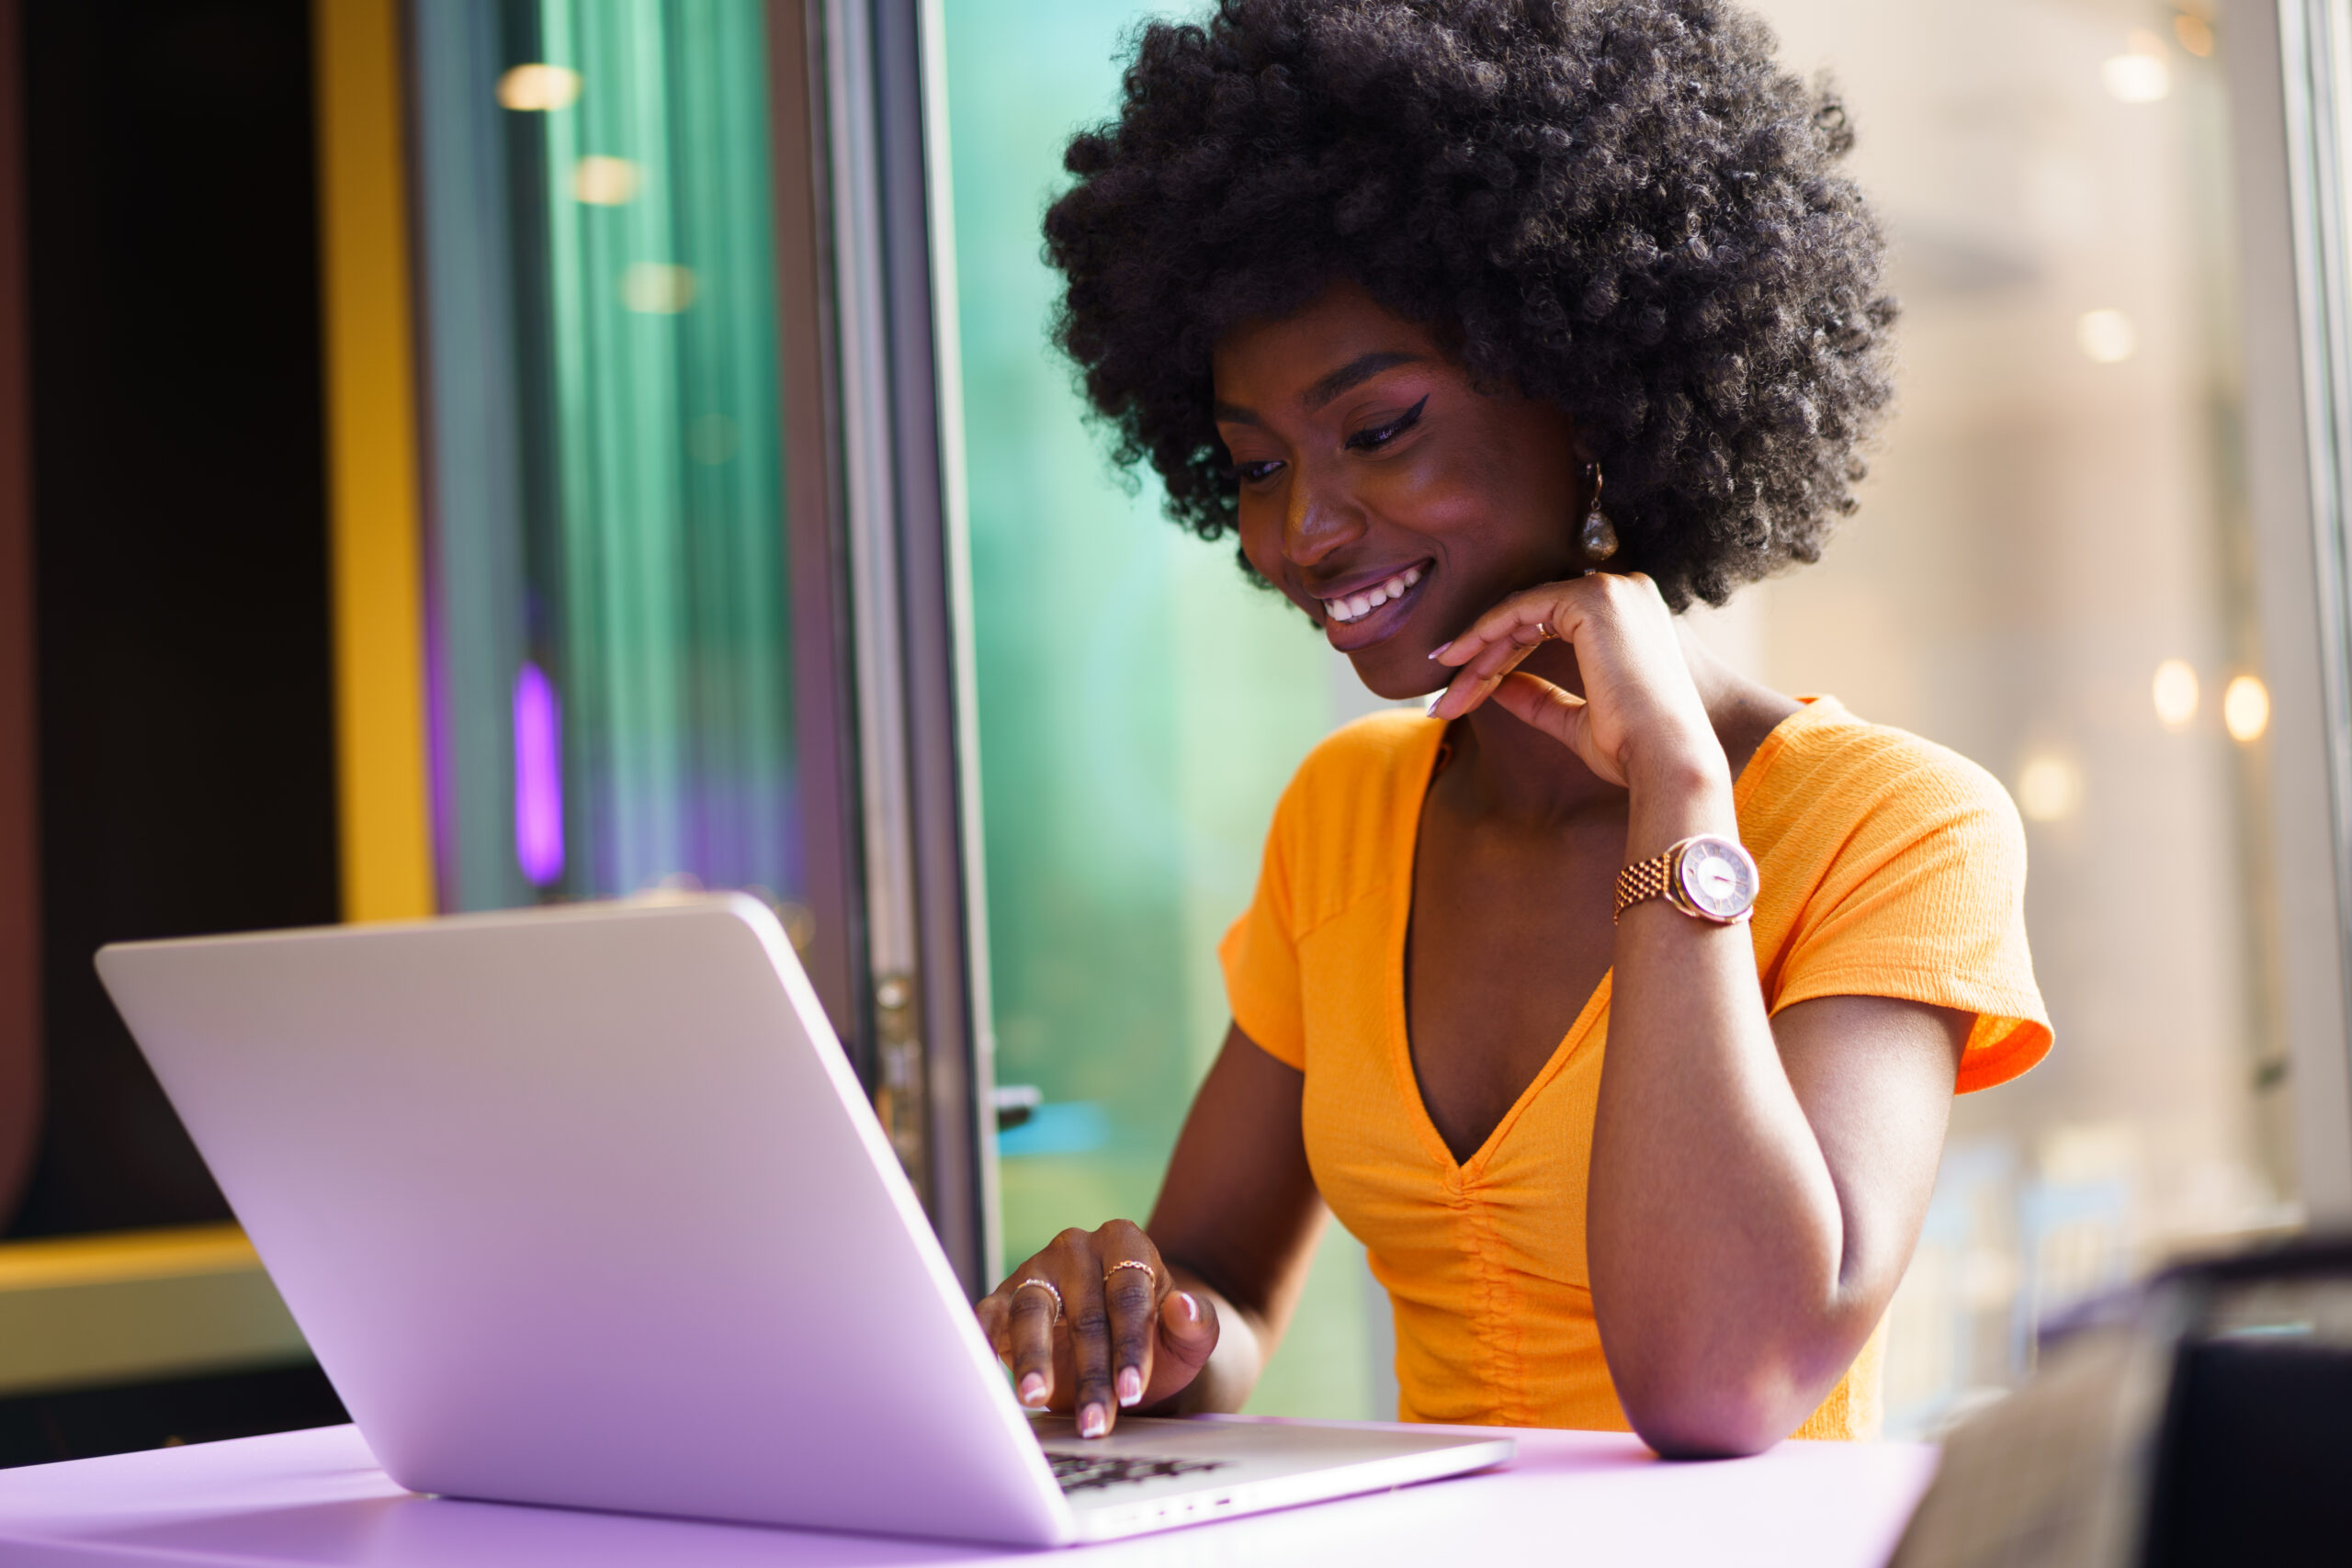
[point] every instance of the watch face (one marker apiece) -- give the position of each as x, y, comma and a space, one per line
1718, 878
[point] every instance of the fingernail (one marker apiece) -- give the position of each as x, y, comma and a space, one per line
1439, 651
1191, 1307
1032, 1389
1130, 1388
1430, 711
1092, 1422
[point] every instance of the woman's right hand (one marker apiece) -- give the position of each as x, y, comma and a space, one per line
1120, 1336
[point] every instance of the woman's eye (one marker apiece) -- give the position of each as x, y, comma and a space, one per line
1380, 436
1252, 472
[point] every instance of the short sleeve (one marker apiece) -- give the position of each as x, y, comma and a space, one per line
1923, 899
1260, 954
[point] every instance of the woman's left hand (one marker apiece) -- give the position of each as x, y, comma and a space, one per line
1640, 711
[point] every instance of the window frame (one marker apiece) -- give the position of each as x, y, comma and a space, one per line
2289, 80
896, 557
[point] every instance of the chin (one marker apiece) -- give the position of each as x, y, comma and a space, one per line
1395, 680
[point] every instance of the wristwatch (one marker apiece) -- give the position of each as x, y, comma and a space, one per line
1706, 877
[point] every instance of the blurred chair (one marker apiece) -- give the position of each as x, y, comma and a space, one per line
2075, 1242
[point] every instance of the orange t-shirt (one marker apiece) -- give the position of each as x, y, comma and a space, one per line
1890, 867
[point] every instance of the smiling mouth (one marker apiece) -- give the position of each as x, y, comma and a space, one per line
1364, 601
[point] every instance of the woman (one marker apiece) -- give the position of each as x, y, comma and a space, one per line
1499, 331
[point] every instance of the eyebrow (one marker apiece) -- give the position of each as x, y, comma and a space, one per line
1354, 374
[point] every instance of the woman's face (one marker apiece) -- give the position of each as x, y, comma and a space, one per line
1370, 470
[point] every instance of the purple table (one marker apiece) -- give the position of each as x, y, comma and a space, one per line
1588, 1497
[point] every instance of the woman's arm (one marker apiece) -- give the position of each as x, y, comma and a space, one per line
1222, 1264
1238, 1215
1755, 1185
1756, 1188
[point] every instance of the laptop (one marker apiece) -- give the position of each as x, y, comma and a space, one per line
583, 1206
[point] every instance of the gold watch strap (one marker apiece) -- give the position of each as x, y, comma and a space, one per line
1643, 879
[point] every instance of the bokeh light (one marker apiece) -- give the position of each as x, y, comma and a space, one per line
2245, 709
539, 88
2142, 74
2176, 693
601, 181
2107, 337
657, 289
538, 778
2050, 788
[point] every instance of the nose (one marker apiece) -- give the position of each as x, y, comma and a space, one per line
1319, 519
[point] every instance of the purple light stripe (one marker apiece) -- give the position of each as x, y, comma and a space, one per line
538, 778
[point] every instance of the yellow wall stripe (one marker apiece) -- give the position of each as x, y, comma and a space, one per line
375, 543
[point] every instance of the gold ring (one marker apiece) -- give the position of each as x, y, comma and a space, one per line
1542, 631
1130, 1263
1046, 1285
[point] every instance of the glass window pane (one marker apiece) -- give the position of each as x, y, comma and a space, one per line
612, 683
1140, 708
2052, 573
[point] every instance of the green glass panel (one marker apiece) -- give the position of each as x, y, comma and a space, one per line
1140, 708
611, 674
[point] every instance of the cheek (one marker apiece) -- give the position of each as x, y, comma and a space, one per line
1261, 535
1451, 501
1498, 532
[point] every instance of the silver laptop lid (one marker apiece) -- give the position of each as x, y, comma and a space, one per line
584, 1206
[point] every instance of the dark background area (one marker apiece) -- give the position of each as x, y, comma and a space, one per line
83, 1423
185, 772
183, 674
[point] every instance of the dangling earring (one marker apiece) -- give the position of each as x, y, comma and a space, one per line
1599, 536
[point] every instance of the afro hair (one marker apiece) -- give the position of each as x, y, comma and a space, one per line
1624, 207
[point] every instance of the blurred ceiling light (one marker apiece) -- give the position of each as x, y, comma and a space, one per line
2049, 788
2176, 693
2245, 709
2141, 76
538, 87
2107, 337
657, 289
604, 181
2195, 33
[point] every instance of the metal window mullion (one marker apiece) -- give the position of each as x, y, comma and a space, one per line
957, 534
908, 593
2315, 63
877, 637
932, 611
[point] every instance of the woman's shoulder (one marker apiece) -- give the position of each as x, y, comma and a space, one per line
1353, 795
1824, 763
1893, 866
1368, 757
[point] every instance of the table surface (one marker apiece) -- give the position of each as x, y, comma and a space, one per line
317, 1497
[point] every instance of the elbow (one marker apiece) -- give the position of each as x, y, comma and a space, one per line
1699, 1416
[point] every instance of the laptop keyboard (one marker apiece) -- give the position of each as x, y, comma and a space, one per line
1086, 1473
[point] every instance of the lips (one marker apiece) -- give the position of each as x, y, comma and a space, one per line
1360, 611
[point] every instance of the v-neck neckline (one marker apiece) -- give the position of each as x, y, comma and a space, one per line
1400, 1039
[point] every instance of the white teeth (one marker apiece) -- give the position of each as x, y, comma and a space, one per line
1356, 606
